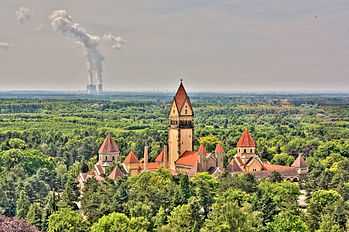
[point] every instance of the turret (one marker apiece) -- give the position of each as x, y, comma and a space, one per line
108, 152
202, 156
219, 153
131, 163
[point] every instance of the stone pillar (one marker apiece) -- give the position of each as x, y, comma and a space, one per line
146, 157
165, 159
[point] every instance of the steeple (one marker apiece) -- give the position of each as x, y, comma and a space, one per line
109, 151
181, 128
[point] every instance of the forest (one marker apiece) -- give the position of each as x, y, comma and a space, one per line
46, 140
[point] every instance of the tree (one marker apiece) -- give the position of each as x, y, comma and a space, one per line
275, 177
186, 217
111, 222
138, 224
159, 219
265, 203
34, 214
319, 202
14, 225
22, 205
209, 142
282, 159
328, 224
16, 143
67, 220
205, 187
49, 209
287, 222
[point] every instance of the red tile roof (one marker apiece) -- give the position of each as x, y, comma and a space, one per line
202, 149
233, 166
291, 172
180, 97
131, 158
188, 158
219, 148
274, 167
246, 140
300, 163
99, 169
108, 145
150, 165
116, 173
160, 157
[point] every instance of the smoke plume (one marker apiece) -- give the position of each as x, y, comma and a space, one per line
62, 21
23, 14
4, 45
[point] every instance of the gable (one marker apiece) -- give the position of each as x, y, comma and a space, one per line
186, 108
173, 111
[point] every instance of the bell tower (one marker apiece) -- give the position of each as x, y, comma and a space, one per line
181, 129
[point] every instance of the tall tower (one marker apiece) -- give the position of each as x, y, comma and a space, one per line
181, 129
108, 152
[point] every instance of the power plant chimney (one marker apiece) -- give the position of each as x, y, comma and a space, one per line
91, 88
99, 88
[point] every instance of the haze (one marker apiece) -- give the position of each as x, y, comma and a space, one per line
219, 45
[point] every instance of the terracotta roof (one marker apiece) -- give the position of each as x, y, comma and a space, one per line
233, 166
188, 158
131, 158
300, 163
108, 145
99, 169
152, 165
116, 173
274, 167
160, 157
180, 97
219, 148
85, 176
246, 140
202, 149
195, 169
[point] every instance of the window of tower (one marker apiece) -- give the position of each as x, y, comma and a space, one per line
113, 158
250, 150
186, 111
244, 150
173, 111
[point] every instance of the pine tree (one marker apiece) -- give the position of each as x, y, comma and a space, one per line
50, 208
34, 214
264, 202
22, 205
160, 218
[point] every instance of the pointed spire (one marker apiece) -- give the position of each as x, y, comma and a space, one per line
131, 158
300, 163
246, 140
219, 148
202, 149
108, 145
181, 96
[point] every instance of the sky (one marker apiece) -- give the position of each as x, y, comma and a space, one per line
220, 45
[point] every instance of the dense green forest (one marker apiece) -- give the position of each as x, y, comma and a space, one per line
46, 140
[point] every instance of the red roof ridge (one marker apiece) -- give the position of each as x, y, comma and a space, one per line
202, 149
246, 140
219, 148
108, 145
131, 158
180, 97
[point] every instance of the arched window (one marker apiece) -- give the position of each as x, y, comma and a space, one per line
244, 150
186, 111
250, 150
113, 158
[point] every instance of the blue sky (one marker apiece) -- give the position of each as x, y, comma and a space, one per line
221, 45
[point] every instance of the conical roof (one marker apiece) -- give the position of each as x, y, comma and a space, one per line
246, 140
219, 148
180, 97
116, 173
202, 149
299, 163
131, 158
108, 145
233, 166
160, 157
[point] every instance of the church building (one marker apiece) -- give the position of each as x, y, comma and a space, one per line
179, 155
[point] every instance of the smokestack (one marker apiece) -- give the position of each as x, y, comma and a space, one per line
165, 157
91, 88
62, 21
146, 158
99, 88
